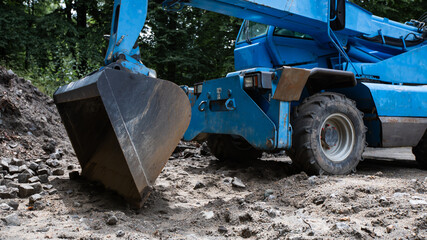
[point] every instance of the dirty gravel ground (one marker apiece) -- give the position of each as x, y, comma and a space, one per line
194, 197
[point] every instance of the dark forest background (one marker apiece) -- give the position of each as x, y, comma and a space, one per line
53, 42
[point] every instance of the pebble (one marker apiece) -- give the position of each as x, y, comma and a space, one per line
33, 166
342, 225
238, 183
112, 220
13, 205
77, 204
312, 180
34, 198
268, 192
416, 202
17, 162
199, 185
389, 228
53, 163
13, 169
23, 177
5, 207
120, 233
222, 229
227, 180
33, 179
43, 171
58, 172
44, 178
25, 190
11, 220
208, 214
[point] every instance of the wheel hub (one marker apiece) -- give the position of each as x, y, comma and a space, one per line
329, 135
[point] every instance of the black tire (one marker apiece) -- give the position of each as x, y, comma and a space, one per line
420, 152
328, 135
232, 148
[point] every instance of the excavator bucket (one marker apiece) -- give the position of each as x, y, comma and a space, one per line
123, 128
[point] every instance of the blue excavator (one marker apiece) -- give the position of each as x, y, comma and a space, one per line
320, 79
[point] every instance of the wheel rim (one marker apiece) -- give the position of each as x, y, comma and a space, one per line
337, 137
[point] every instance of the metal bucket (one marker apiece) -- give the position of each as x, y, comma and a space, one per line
123, 128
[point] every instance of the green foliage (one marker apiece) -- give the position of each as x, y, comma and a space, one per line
398, 10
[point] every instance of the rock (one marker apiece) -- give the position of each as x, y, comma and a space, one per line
204, 150
76, 204
57, 154
74, 175
120, 233
4, 164
58, 172
379, 174
44, 178
238, 183
268, 193
49, 146
247, 233
11, 177
23, 177
33, 179
208, 214
342, 225
417, 202
199, 185
13, 169
23, 168
52, 191
11, 220
319, 200
39, 205
47, 187
245, 218
17, 162
33, 166
273, 213
43, 171
8, 192
227, 180
312, 180
53, 163
71, 167
25, 190
5, 207
112, 220
389, 228
13, 205
222, 229
400, 195
34, 198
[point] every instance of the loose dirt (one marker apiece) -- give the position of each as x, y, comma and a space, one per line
196, 196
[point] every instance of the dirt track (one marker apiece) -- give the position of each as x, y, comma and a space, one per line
194, 197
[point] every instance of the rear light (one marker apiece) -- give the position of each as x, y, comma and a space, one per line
251, 81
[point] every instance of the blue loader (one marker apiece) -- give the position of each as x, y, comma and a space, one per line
319, 79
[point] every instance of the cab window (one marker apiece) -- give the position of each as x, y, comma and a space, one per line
292, 34
252, 30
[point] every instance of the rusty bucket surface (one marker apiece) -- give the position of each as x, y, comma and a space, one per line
123, 128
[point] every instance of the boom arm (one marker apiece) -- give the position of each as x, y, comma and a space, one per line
307, 16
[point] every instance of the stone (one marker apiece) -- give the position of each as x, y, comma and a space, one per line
112, 220
74, 175
39, 205
417, 202
238, 183
52, 191
70, 167
13, 169
53, 163
319, 200
245, 218
227, 180
312, 180
120, 233
12, 220
268, 192
33, 179
58, 172
8, 193
4, 164
247, 233
11, 177
199, 185
14, 205
342, 225
208, 214
77, 204
23, 168
25, 190
44, 178
43, 171
47, 187
222, 229
56, 155
389, 228
49, 146
17, 162
5, 207
23, 177
33, 166
34, 198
